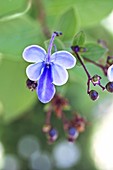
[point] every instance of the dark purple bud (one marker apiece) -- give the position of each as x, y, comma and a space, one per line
109, 87
52, 132
31, 84
72, 134
76, 49
93, 95
72, 131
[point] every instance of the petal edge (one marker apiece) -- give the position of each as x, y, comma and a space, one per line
33, 71
110, 73
34, 53
60, 75
64, 59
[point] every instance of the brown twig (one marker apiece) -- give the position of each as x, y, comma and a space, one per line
42, 18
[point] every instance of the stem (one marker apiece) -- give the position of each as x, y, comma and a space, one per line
103, 88
64, 118
42, 18
88, 75
48, 117
93, 62
88, 86
97, 64
65, 121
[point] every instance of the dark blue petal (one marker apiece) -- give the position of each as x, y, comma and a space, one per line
46, 89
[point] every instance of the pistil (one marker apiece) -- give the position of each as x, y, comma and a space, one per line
51, 45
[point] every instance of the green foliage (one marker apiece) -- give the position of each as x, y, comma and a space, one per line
79, 39
16, 34
8, 7
89, 13
98, 32
68, 24
94, 51
14, 95
21, 27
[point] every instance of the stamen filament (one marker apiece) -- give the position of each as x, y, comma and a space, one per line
51, 45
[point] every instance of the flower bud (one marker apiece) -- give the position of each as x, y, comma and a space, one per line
31, 84
76, 49
52, 135
72, 134
109, 87
93, 95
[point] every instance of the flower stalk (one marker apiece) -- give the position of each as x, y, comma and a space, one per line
76, 49
104, 68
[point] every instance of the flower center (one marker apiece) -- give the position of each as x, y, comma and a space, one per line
47, 65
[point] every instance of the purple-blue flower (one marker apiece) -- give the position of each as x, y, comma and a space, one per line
110, 73
48, 69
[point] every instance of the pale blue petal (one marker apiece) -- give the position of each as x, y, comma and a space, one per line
60, 75
64, 59
33, 71
45, 89
110, 73
34, 53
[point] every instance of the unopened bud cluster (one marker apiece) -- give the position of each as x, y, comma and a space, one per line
72, 128
95, 80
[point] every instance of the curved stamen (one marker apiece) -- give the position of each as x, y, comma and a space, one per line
51, 45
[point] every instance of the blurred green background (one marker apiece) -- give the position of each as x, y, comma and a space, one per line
23, 146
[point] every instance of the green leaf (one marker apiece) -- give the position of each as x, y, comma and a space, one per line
90, 13
94, 51
68, 24
58, 45
79, 39
8, 7
16, 34
14, 95
100, 33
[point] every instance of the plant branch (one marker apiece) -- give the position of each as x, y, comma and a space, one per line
48, 117
89, 76
42, 18
104, 68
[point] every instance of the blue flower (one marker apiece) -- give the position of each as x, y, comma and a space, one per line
48, 69
110, 73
